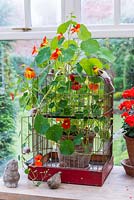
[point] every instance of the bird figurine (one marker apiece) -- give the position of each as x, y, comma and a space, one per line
54, 181
104, 75
11, 175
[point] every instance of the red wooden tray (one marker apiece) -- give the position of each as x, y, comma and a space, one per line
72, 175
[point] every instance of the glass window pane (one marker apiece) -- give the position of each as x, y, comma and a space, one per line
12, 55
127, 11
97, 11
45, 12
11, 13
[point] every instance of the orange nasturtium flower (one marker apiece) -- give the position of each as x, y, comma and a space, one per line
60, 36
12, 96
66, 124
76, 28
35, 50
59, 119
29, 73
93, 86
44, 42
55, 54
37, 160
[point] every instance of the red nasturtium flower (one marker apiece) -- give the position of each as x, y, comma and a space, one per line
44, 42
66, 123
76, 85
60, 36
72, 77
29, 73
76, 28
35, 50
37, 160
130, 120
55, 54
93, 86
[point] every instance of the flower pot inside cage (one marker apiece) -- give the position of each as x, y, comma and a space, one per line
82, 154
76, 160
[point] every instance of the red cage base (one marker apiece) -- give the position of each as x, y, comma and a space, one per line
72, 175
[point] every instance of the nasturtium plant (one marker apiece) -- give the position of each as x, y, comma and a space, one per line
63, 85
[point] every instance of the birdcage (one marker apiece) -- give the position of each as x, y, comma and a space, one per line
90, 112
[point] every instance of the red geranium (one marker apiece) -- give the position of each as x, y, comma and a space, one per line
127, 105
128, 115
125, 114
128, 93
130, 120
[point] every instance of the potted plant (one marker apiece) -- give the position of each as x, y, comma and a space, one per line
63, 88
127, 106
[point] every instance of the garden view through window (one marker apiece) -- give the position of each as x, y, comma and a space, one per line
16, 53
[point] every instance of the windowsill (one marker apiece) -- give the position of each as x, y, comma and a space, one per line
117, 186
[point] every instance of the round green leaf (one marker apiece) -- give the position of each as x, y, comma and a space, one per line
54, 43
63, 27
68, 54
94, 62
43, 55
54, 133
67, 147
41, 124
83, 33
51, 105
68, 42
78, 139
62, 103
90, 46
106, 54
86, 66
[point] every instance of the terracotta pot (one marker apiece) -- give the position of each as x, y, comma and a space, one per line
130, 148
128, 167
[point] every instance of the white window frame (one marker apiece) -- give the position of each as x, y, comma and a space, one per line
116, 30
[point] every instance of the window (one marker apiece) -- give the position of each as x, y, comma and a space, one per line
97, 11
9, 9
105, 18
127, 14
45, 12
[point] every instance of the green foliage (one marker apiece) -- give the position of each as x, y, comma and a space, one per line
84, 34
123, 64
43, 55
7, 128
117, 95
41, 124
67, 147
90, 46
